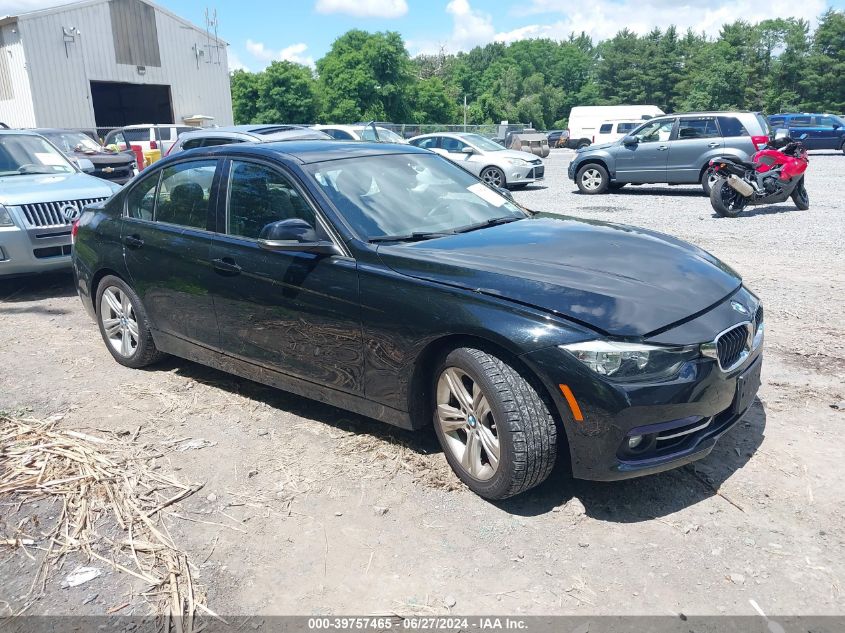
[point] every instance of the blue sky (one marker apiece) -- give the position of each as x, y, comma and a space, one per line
259, 31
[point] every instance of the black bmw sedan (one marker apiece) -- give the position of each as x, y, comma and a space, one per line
387, 281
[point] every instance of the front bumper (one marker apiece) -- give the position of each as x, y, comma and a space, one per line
525, 175
27, 251
700, 399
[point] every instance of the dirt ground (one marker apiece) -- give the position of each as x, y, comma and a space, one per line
307, 509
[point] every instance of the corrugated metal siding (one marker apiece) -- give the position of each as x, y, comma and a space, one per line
15, 97
134, 33
61, 82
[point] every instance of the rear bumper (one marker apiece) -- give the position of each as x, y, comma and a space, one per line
25, 252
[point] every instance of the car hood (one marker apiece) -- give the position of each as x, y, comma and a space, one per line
105, 157
513, 153
31, 188
599, 146
619, 280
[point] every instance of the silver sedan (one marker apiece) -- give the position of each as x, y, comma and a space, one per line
488, 160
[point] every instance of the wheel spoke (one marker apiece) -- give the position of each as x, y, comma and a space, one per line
456, 385
472, 454
113, 302
111, 327
490, 443
126, 343
125, 304
132, 326
482, 408
451, 419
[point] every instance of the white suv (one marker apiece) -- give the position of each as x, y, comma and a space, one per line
148, 137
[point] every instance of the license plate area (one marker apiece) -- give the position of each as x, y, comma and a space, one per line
747, 385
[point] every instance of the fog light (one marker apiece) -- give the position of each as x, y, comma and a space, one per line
634, 441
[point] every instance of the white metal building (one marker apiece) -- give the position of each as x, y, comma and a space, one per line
109, 63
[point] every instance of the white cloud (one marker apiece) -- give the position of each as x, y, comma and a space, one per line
470, 28
293, 53
16, 7
235, 62
364, 8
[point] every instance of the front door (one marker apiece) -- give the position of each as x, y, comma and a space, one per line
297, 313
646, 160
696, 138
826, 135
167, 244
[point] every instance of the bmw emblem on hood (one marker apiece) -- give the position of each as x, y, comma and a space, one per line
736, 305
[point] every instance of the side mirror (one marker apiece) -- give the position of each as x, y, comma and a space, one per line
836, 126
85, 165
630, 140
467, 150
295, 235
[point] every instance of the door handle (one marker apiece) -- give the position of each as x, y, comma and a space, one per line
713, 145
226, 266
133, 241
662, 148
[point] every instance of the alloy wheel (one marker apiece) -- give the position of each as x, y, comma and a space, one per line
493, 176
119, 321
465, 417
591, 179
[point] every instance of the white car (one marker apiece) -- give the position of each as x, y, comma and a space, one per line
494, 164
147, 137
613, 130
360, 132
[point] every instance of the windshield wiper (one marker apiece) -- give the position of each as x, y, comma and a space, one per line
417, 236
491, 222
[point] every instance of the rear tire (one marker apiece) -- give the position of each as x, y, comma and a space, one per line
708, 179
583, 144
124, 325
495, 427
800, 196
843, 147
592, 179
726, 201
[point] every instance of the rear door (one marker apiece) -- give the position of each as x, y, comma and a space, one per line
803, 124
167, 245
646, 160
695, 139
294, 312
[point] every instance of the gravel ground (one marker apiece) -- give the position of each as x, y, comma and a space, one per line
307, 509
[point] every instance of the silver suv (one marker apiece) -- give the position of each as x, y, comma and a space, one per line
673, 149
41, 194
209, 137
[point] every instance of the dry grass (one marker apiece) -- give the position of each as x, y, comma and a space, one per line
112, 501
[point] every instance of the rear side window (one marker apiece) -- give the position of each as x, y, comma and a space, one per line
137, 135
340, 135
800, 121
626, 127
140, 203
605, 128
776, 121
192, 143
697, 128
730, 126
427, 143
217, 140
184, 193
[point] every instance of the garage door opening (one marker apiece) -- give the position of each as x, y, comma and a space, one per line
118, 104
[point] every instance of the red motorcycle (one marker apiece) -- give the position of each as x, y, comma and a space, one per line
776, 173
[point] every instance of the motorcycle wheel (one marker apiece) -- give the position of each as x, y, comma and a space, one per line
800, 197
726, 200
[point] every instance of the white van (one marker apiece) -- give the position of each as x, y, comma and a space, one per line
585, 121
610, 131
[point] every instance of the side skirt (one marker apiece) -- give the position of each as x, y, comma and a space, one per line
350, 402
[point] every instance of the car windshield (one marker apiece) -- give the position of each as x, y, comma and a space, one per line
482, 142
74, 142
410, 196
29, 154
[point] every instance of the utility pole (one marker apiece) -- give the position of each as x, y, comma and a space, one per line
465, 113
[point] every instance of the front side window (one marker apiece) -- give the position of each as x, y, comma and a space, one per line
259, 196
192, 143
697, 128
408, 194
827, 121
339, 135
427, 143
731, 126
655, 131
141, 200
185, 193
29, 154
217, 140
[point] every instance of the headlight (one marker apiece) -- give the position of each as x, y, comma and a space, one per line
518, 162
5, 217
631, 361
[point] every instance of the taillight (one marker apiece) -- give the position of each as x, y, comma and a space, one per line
759, 142
73, 231
153, 145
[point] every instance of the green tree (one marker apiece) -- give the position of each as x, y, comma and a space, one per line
430, 102
287, 92
824, 83
244, 86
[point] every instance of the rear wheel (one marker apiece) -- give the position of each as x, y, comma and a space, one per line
123, 324
800, 196
592, 179
583, 144
708, 179
843, 147
495, 427
726, 200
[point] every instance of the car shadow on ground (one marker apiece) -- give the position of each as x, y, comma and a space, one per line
750, 212
37, 287
647, 191
630, 501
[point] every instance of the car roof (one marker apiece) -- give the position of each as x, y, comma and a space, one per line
309, 151
27, 132
264, 134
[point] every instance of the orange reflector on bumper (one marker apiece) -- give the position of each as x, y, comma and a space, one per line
573, 403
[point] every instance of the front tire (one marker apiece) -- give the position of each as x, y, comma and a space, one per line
726, 200
495, 427
592, 179
124, 325
494, 176
800, 196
